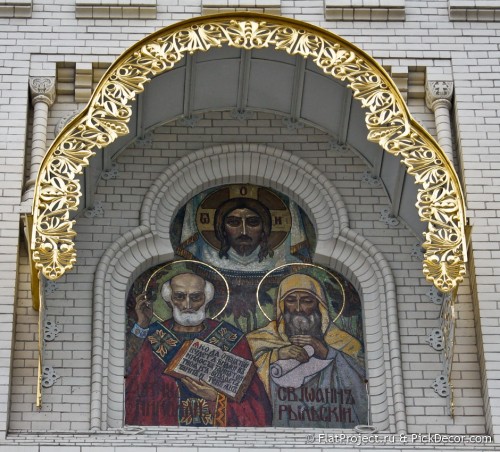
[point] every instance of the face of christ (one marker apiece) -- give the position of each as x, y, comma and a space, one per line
244, 230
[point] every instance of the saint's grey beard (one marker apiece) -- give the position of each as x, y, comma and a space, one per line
189, 318
297, 323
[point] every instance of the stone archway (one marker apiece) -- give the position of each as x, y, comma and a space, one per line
339, 248
388, 122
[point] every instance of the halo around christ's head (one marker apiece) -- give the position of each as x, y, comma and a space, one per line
267, 204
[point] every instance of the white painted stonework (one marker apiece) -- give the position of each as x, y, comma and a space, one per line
142, 186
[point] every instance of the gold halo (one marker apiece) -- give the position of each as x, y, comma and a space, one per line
194, 262
264, 195
303, 265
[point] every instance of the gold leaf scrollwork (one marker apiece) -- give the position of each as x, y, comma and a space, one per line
249, 34
439, 201
306, 44
286, 37
333, 57
55, 255
445, 269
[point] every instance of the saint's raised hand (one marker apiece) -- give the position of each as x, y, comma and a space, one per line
144, 310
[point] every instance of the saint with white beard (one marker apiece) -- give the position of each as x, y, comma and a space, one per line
154, 398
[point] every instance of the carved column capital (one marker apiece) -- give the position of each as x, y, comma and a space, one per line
43, 89
43, 95
438, 94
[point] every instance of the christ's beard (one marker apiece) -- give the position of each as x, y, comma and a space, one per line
244, 245
189, 318
297, 323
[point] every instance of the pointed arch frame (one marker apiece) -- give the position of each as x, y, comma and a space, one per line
57, 191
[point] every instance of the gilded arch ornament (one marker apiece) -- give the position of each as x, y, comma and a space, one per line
57, 191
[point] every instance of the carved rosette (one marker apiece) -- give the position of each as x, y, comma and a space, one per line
388, 122
370, 179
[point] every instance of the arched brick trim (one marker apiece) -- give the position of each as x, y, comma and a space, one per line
338, 247
384, 307
135, 257
240, 163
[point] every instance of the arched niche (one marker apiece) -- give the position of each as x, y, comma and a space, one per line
338, 247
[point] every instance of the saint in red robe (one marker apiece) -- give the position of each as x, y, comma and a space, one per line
154, 398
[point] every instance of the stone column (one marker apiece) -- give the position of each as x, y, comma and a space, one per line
438, 95
43, 94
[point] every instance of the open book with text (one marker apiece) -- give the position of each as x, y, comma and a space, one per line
224, 371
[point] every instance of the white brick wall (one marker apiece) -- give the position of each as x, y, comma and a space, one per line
67, 402
426, 39
373, 10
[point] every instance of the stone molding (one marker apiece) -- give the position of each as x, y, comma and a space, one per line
365, 10
474, 10
115, 9
16, 8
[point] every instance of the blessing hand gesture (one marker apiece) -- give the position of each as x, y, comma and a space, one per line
144, 310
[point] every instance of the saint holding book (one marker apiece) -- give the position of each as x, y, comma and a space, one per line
154, 397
